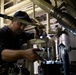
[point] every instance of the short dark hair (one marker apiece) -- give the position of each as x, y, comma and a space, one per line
22, 15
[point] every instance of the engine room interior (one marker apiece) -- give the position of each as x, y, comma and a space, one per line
55, 23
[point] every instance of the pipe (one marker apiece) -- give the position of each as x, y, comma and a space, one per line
30, 12
20, 20
48, 23
17, 6
65, 60
63, 18
34, 14
44, 5
2, 11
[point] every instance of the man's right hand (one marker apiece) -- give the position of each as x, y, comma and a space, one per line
31, 55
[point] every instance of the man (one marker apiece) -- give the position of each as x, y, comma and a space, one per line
11, 38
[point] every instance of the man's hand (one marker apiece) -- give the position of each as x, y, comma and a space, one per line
31, 55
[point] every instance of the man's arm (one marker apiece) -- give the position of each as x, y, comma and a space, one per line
12, 55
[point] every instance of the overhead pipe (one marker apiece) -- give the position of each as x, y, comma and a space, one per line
34, 15
2, 11
20, 20
38, 11
8, 2
44, 5
17, 6
63, 18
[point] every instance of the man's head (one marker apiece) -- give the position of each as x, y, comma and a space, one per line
22, 15
18, 26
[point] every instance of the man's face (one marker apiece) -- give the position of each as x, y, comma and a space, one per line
19, 27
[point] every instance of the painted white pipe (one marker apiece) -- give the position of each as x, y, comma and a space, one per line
38, 11
43, 4
16, 7
2, 11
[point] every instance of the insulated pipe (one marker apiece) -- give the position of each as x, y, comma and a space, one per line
20, 20
2, 11
44, 5
34, 14
48, 23
17, 6
63, 18
30, 12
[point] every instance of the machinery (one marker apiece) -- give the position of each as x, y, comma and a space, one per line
65, 12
